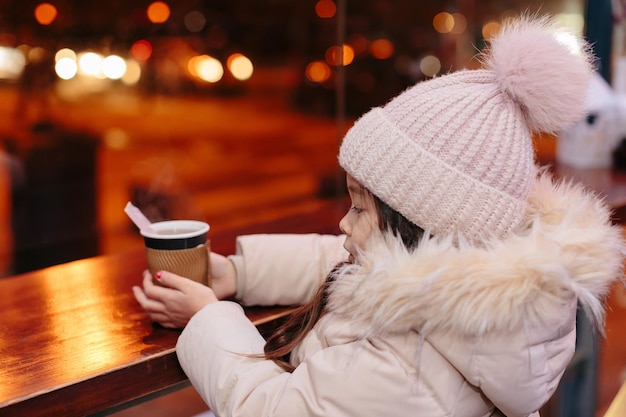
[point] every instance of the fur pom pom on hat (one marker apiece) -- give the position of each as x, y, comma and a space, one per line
454, 154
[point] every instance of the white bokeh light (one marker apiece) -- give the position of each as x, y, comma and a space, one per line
64, 53
90, 63
12, 62
113, 67
209, 69
240, 66
430, 65
66, 68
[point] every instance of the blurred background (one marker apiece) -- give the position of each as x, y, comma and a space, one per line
229, 111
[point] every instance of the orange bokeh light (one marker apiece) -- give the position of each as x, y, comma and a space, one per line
317, 71
335, 53
141, 50
490, 29
460, 23
45, 13
325, 8
443, 22
233, 57
158, 12
381, 48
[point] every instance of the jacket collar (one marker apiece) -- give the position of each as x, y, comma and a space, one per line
567, 247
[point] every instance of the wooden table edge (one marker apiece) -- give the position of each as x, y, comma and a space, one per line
171, 378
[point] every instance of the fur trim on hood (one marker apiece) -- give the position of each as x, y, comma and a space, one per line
568, 247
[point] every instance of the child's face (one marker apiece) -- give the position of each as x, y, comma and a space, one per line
360, 220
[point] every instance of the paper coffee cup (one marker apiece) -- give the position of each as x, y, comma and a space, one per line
180, 247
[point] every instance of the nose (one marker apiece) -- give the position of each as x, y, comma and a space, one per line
344, 226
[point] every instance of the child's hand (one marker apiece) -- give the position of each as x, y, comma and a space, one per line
173, 305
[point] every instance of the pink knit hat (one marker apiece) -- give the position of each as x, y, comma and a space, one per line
454, 154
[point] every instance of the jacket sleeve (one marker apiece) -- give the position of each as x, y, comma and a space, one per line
215, 352
284, 269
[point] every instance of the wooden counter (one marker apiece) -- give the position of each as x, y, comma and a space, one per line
74, 341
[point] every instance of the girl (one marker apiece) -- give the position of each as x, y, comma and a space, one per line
463, 264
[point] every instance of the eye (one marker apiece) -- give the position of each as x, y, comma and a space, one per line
356, 210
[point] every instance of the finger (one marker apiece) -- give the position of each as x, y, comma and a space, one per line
149, 288
140, 296
168, 324
148, 283
172, 280
165, 320
152, 290
149, 305
160, 318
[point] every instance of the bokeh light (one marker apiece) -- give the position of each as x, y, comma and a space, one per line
460, 23
443, 22
317, 72
65, 53
240, 66
210, 70
116, 138
490, 29
141, 50
194, 21
430, 65
66, 68
337, 55
45, 13
90, 63
93, 65
192, 65
35, 54
133, 72
12, 62
113, 67
158, 12
381, 48
206, 68
325, 9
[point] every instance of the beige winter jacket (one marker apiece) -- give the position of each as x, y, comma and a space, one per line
442, 331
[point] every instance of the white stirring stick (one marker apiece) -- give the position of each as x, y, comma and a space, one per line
140, 220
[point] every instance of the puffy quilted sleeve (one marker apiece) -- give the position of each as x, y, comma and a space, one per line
284, 269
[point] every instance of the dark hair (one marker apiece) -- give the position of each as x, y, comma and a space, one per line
390, 219
280, 343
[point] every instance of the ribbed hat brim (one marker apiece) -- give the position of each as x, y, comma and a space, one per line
427, 191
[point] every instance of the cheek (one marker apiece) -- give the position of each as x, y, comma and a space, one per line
362, 231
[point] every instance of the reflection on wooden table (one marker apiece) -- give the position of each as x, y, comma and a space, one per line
73, 340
